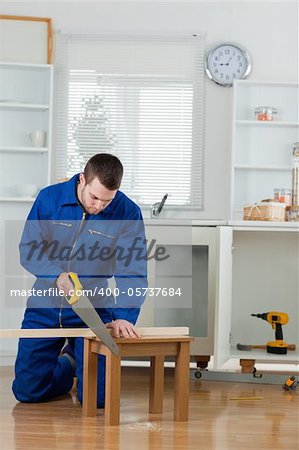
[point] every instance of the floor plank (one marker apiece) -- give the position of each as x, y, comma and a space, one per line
215, 421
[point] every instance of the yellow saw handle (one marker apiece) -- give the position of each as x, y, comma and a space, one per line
77, 288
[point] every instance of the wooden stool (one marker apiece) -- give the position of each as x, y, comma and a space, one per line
156, 348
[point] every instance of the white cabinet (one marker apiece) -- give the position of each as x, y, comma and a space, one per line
262, 276
192, 266
25, 107
262, 150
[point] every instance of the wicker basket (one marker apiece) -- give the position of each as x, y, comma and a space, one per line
273, 212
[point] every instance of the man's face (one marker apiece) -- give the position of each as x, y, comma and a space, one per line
94, 196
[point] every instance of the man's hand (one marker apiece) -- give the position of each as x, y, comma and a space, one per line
123, 328
64, 283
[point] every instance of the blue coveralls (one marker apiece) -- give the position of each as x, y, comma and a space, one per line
40, 372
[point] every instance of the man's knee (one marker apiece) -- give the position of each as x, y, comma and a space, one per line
23, 392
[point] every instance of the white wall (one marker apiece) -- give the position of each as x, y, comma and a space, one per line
269, 30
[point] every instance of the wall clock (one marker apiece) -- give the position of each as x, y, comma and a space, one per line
227, 62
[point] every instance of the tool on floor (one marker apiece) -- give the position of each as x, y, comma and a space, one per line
276, 319
290, 384
246, 398
249, 347
85, 310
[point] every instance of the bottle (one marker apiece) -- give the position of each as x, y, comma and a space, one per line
295, 175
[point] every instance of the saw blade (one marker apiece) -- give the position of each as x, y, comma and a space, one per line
85, 310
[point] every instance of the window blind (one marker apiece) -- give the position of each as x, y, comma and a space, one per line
140, 98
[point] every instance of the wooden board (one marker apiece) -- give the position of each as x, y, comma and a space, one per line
86, 332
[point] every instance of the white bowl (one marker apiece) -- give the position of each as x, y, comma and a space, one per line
25, 190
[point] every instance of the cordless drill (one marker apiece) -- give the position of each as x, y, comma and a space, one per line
276, 319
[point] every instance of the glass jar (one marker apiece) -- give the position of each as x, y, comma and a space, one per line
292, 213
265, 113
283, 196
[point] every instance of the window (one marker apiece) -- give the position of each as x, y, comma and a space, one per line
140, 98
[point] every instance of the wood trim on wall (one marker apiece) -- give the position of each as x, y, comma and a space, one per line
47, 20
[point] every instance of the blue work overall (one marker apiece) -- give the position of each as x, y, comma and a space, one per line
57, 218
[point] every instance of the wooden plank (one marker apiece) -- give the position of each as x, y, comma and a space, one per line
86, 332
164, 331
47, 333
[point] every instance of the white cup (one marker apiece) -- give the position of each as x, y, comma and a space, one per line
38, 138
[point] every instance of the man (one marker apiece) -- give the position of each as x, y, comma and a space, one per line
87, 226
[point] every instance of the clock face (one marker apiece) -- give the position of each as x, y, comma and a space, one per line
226, 63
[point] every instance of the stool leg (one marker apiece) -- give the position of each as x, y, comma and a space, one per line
181, 383
156, 384
90, 375
112, 393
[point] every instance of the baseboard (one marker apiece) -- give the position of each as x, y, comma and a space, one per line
238, 377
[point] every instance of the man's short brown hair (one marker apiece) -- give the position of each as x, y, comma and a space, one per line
107, 168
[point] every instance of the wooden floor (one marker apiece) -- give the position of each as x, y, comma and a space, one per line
216, 421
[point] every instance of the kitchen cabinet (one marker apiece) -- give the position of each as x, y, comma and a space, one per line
261, 150
195, 263
25, 107
237, 270
263, 265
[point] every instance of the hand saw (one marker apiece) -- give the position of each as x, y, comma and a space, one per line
85, 310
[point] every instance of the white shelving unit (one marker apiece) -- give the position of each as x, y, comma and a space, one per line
25, 106
262, 151
258, 259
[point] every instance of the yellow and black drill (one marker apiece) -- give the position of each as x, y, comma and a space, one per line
276, 319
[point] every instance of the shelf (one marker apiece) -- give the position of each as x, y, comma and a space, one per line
258, 83
17, 65
268, 168
23, 106
17, 199
23, 149
263, 225
261, 123
262, 355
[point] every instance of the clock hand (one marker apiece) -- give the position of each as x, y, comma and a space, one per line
227, 64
